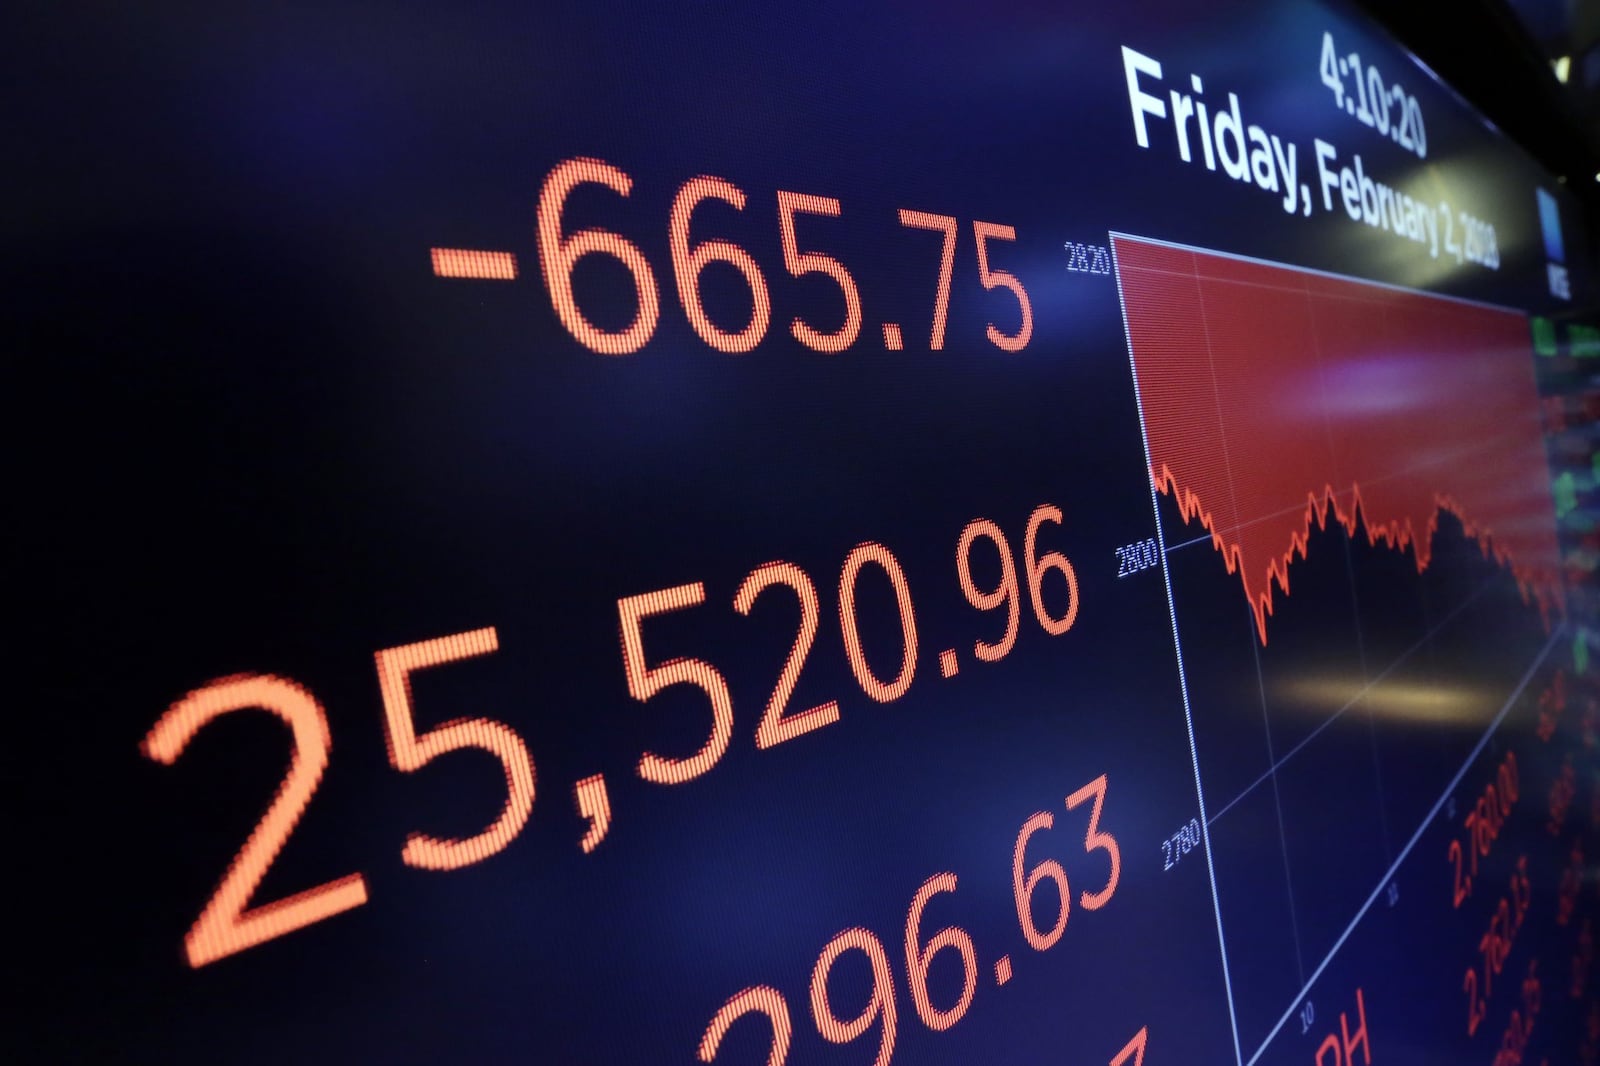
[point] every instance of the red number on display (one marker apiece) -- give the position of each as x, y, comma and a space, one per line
1022, 887
799, 264
871, 552
558, 256
409, 752
1008, 342
687, 265
774, 727
224, 925
918, 959
1463, 887
945, 224
1476, 1008
1038, 565
879, 1005
758, 999
921, 949
1005, 593
645, 681
1510, 783
1097, 840
1134, 1050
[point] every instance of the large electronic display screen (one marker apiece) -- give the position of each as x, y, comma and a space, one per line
842, 534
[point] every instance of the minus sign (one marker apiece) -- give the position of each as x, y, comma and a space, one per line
469, 263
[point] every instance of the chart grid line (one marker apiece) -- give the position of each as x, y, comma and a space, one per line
1238, 258
1427, 820
1402, 657
1405, 655
1255, 652
1183, 683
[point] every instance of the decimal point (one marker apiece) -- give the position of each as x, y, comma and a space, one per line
1002, 970
891, 337
1350, 106
948, 666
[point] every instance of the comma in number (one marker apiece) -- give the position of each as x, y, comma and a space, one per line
594, 805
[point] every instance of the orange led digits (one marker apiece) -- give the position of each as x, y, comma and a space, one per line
922, 948
1519, 1029
1022, 887
758, 999
774, 727
777, 725
1134, 1050
645, 681
1463, 886
790, 203
880, 1005
872, 552
558, 256
1495, 945
1342, 1045
919, 959
1098, 840
224, 926
409, 752
1552, 702
1483, 824
945, 224
1038, 565
991, 279
687, 265
1005, 593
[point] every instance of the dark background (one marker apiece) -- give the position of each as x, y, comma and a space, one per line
257, 435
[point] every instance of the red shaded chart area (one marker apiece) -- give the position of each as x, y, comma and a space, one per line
1274, 398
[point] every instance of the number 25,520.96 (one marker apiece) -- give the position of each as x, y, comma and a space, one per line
227, 924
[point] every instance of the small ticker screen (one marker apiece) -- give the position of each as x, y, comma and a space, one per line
844, 534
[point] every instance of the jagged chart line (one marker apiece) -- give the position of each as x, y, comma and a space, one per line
1396, 534
1375, 405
